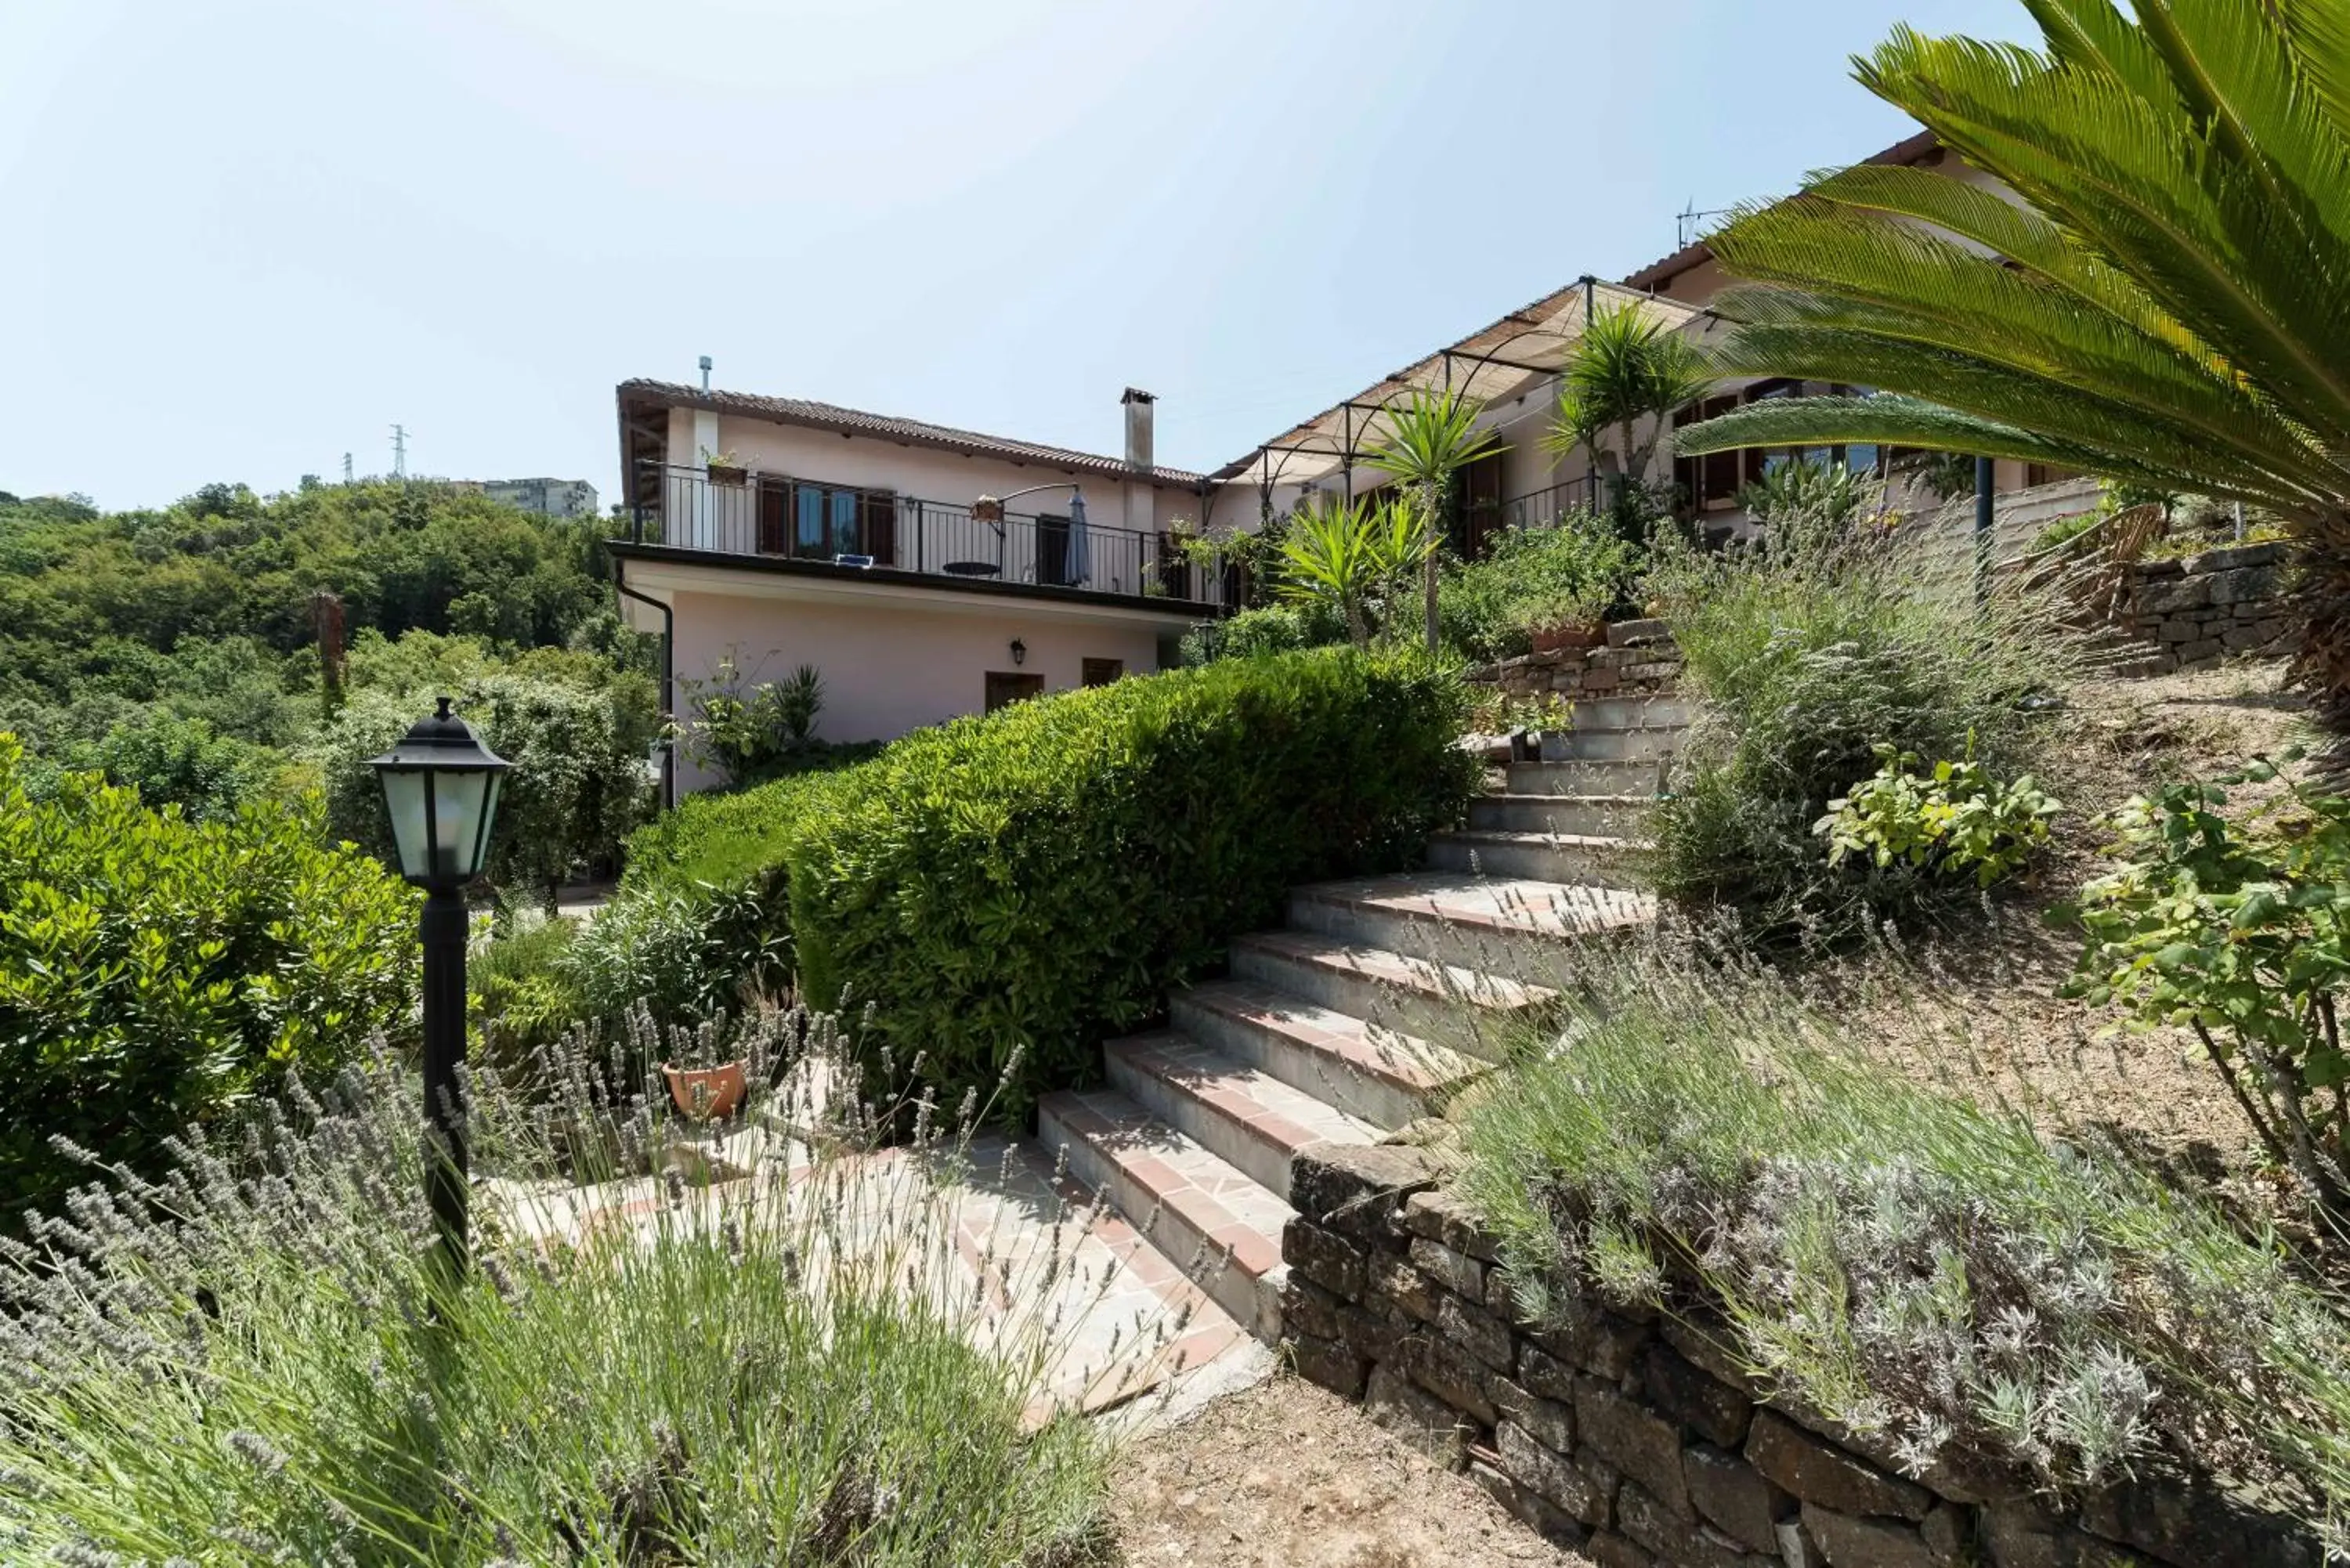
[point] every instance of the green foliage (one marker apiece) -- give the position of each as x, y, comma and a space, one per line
2063, 531
2162, 309
1947, 1280
1817, 494
1959, 820
1627, 368
261, 1362
752, 733
1804, 655
522, 998
1037, 879
1355, 556
1567, 574
1270, 629
156, 971
181, 761
577, 786
2244, 937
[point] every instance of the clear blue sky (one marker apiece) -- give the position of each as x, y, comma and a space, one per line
243, 238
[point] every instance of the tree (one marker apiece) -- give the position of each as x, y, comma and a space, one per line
1627, 368
2169, 308
1432, 438
1349, 553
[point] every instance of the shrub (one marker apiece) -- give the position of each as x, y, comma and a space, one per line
181, 761
2243, 938
156, 971
1031, 880
1804, 654
1568, 573
1941, 1279
1275, 629
258, 1361
1037, 878
578, 783
752, 733
1813, 492
1957, 822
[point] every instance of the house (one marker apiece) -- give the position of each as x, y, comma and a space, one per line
548, 497
926, 572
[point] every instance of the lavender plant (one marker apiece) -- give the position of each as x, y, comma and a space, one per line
659, 1358
1943, 1279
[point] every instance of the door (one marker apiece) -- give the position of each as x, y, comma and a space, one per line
1477, 505
877, 523
1053, 552
775, 515
1004, 689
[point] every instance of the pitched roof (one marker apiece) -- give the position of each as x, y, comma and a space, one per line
1662, 271
913, 432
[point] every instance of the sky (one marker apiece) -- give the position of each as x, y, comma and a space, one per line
240, 239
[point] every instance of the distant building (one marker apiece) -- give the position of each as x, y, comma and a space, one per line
551, 497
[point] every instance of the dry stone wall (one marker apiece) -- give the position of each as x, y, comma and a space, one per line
1638, 659
1640, 1442
2197, 610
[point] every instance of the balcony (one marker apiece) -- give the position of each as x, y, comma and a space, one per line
804, 526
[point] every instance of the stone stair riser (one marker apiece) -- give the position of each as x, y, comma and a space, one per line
1594, 816
1521, 955
1440, 1021
1357, 1093
1589, 775
1582, 745
1221, 1136
1544, 862
1630, 712
1254, 1302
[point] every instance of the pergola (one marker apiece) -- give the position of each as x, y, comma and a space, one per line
1498, 361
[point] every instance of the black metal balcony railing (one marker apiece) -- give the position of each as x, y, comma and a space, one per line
780, 518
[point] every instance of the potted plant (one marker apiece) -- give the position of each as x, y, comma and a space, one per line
1575, 619
725, 467
707, 1079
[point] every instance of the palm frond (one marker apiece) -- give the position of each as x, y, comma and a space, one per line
2320, 35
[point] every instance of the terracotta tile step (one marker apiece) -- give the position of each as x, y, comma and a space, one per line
1193, 1207
1246, 1117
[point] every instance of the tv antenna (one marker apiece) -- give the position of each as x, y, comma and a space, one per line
1688, 220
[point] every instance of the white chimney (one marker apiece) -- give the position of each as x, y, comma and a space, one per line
1138, 427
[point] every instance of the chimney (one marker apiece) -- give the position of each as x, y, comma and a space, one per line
1138, 427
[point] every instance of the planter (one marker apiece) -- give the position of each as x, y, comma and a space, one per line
728, 474
706, 1094
1561, 639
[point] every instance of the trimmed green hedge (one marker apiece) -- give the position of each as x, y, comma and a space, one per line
1038, 878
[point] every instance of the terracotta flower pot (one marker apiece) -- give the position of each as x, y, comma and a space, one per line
1560, 639
709, 1094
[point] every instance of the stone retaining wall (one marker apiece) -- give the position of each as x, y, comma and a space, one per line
1642, 1443
2198, 609
1638, 659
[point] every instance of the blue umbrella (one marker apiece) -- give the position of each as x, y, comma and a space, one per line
1076, 564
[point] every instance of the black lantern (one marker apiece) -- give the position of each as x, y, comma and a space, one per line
441, 786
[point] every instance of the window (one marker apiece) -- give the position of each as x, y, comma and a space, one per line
1004, 689
826, 522
1100, 671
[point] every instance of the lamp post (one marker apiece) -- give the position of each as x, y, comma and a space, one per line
441, 785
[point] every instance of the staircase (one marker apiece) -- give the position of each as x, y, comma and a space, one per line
1377, 997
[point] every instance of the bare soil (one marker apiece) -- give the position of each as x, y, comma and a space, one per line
1288, 1476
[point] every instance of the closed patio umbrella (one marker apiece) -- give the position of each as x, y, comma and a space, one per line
1078, 561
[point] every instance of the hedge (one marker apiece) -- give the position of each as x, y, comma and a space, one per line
156, 971
1037, 879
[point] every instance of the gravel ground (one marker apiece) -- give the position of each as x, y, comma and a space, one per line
1288, 1476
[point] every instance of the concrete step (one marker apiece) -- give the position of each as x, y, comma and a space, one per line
1451, 1005
1587, 776
1185, 1201
1585, 815
1541, 857
1630, 712
1385, 1078
1522, 928
1592, 743
1251, 1120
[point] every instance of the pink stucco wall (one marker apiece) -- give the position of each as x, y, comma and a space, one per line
893, 666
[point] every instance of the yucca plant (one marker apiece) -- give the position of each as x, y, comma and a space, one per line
1628, 366
1349, 553
2172, 308
1431, 438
